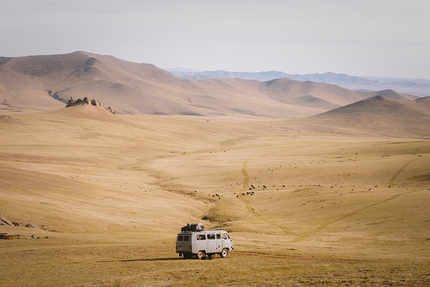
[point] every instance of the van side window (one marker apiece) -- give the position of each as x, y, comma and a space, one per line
180, 237
224, 236
211, 236
218, 236
201, 237
186, 238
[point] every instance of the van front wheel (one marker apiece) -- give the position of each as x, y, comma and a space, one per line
201, 254
224, 253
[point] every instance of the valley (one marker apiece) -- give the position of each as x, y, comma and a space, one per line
306, 203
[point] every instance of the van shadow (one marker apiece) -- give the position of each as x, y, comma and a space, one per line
152, 259
143, 260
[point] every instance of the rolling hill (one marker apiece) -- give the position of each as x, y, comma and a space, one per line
381, 115
42, 83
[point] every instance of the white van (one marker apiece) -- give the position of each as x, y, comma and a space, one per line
202, 244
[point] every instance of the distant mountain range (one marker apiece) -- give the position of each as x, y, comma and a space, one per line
417, 87
47, 83
40, 83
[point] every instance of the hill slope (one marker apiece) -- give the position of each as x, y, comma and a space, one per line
380, 115
38, 83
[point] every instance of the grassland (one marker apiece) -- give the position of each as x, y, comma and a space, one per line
109, 194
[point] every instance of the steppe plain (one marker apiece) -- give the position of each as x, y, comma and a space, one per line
340, 178
109, 193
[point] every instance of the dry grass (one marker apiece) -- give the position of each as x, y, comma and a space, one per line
113, 191
152, 263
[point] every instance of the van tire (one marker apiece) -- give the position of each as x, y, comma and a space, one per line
188, 255
224, 253
201, 254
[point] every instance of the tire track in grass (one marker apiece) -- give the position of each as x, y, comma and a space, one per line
308, 234
249, 207
398, 172
245, 175
305, 235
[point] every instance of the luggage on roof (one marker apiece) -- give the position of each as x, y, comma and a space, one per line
193, 227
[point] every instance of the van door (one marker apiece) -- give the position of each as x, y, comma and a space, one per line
226, 242
183, 243
211, 243
200, 243
218, 242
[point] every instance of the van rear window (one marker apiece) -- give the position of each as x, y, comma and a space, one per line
186, 238
180, 238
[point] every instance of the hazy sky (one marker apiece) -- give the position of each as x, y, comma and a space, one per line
387, 38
